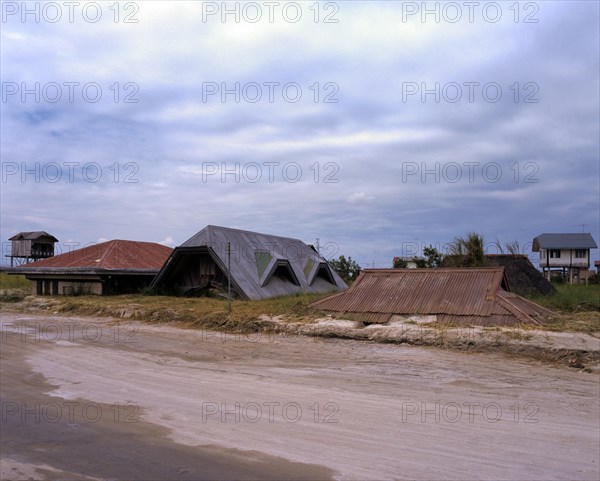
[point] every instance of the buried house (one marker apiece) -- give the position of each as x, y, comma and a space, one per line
523, 277
460, 296
112, 267
261, 265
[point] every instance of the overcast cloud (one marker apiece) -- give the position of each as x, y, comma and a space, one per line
505, 141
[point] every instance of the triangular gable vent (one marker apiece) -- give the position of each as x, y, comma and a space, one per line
283, 270
323, 272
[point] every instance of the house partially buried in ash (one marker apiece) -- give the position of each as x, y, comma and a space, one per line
261, 265
457, 296
113, 267
522, 275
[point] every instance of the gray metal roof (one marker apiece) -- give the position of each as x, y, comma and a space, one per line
35, 235
255, 259
564, 241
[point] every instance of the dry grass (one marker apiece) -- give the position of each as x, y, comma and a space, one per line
13, 282
206, 312
588, 322
211, 313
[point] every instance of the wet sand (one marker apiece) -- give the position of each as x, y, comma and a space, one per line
160, 403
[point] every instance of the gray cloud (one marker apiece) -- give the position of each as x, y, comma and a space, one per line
153, 151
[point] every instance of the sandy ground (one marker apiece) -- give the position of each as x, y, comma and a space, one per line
87, 398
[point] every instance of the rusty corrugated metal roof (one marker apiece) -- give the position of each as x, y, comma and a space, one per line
110, 255
473, 295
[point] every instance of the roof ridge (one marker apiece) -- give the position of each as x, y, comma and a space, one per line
212, 226
495, 284
518, 313
110, 248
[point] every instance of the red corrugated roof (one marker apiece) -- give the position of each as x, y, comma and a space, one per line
114, 254
471, 294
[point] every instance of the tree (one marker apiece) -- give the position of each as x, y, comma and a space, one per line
400, 263
421, 263
468, 251
432, 258
347, 269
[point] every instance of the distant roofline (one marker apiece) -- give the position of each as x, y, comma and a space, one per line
28, 235
437, 269
557, 240
29, 271
248, 232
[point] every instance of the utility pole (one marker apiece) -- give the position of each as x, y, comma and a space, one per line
229, 277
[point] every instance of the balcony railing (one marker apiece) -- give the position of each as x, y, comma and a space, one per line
565, 263
38, 253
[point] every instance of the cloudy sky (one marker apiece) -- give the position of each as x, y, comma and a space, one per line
377, 127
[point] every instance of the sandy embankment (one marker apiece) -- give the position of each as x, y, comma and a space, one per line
362, 410
565, 347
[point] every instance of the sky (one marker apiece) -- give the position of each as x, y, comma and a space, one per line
377, 128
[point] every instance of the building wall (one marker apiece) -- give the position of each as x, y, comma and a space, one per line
79, 287
21, 248
50, 287
567, 258
29, 248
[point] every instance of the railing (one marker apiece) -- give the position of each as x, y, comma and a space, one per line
565, 263
36, 254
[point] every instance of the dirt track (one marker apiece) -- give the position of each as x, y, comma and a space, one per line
84, 398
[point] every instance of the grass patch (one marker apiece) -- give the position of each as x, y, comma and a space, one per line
13, 282
571, 299
587, 322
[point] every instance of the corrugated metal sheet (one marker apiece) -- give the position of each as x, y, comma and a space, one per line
111, 255
251, 268
454, 295
35, 235
564, 241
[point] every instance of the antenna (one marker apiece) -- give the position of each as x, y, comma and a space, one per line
318, 247
582, 227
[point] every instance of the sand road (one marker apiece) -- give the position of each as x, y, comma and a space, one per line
85, 398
